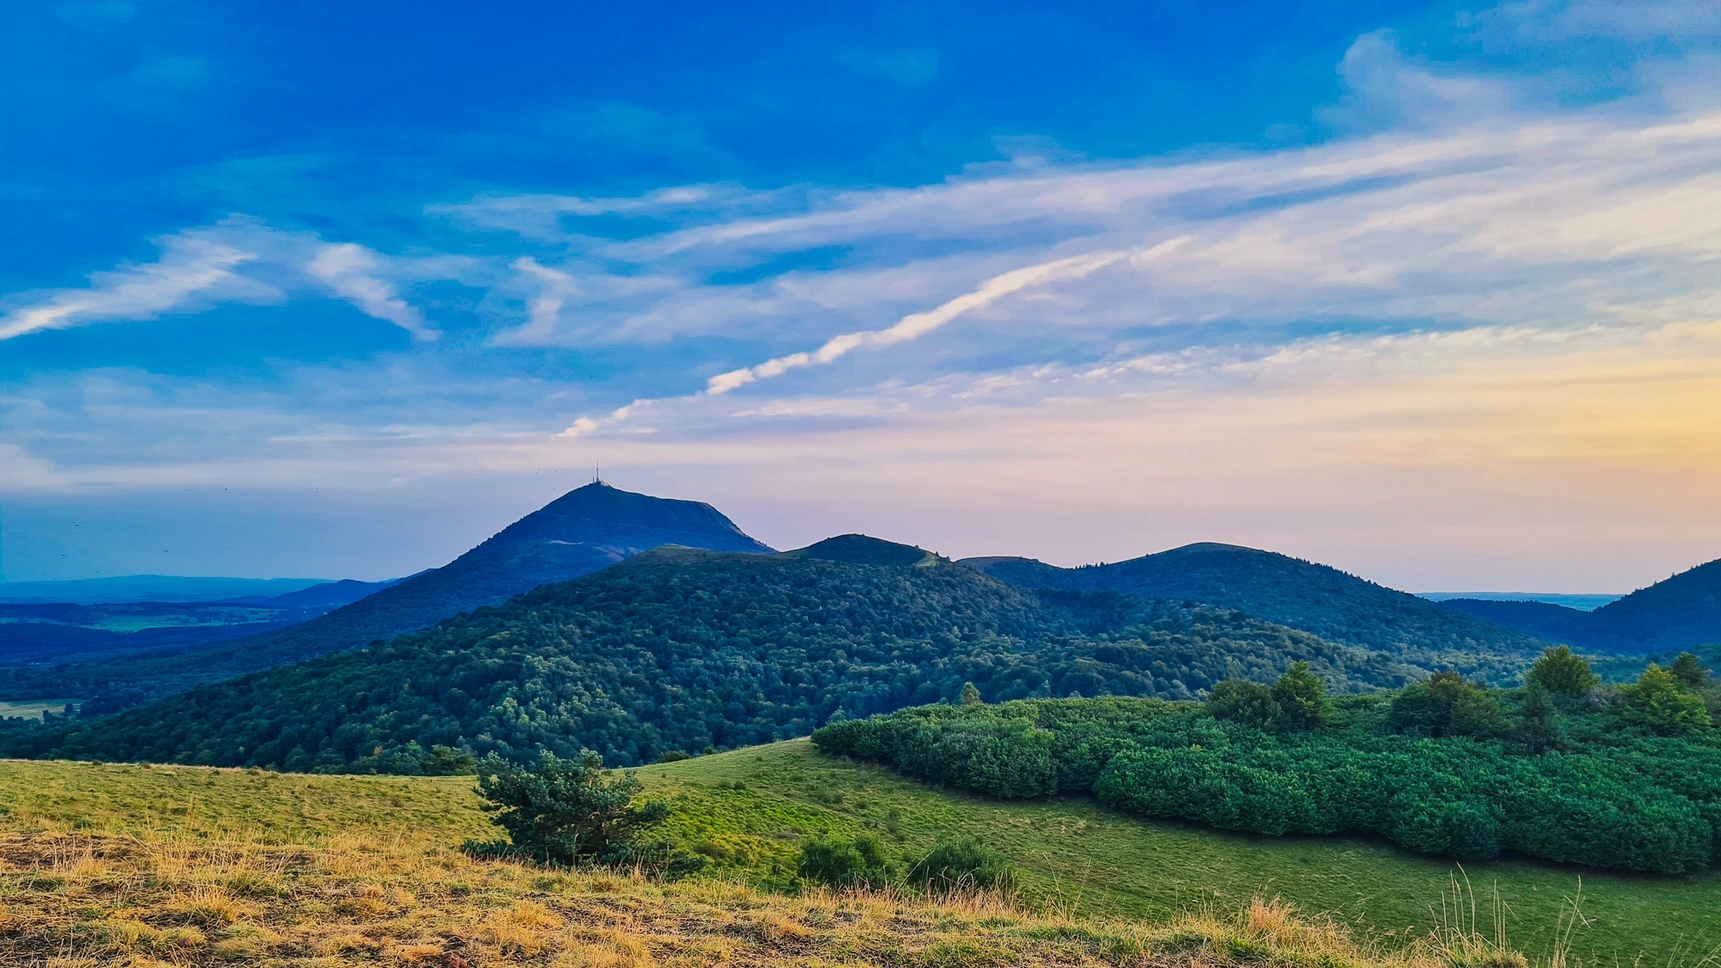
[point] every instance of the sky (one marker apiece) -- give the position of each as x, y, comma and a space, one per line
1430, 292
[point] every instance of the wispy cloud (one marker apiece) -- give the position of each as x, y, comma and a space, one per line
194, 268
238, 260
1472, 298
349, 270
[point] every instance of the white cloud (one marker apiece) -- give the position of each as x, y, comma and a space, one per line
349, 270
194, 269
236, 260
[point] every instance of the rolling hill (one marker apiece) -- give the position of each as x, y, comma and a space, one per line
681, 649
586, 529
1288, 591
1677, 613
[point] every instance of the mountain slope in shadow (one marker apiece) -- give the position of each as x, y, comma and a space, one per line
589, 528
1288, 591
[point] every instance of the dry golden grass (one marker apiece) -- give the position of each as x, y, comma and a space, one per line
73, 899
379, 880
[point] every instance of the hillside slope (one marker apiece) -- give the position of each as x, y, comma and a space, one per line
1677, 613
586, 529
1300, 594
680, 649
285, 870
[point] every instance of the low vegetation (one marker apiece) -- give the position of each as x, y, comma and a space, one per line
119, 864
1630, 779
332, 875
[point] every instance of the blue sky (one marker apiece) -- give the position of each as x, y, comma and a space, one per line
1427, 291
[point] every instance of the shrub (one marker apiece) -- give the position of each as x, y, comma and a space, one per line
860, 862
567, 811
447, 761
962, 864
1242, 701
1657, 703
1297, 702
970, 694
1446, 705
1563, 673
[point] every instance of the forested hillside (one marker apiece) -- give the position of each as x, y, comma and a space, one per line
1680, 612
586, 529
1292, 592
681, 649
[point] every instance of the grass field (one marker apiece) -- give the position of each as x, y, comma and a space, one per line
117, 864
33, 708
144, 867
1078, 856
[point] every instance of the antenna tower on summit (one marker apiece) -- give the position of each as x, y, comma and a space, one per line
597, 474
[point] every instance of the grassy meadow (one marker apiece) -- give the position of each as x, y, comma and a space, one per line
33, 708
146, 865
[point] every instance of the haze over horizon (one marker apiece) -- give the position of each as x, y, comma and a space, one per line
1424, 291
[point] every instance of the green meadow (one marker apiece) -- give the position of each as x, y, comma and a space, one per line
748, 810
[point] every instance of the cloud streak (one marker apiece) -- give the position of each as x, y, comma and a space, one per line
236, 261
193, 268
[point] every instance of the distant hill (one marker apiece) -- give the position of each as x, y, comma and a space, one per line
1546, 619
679, 649
1289, 591
586, 529
151, 588
1681, 612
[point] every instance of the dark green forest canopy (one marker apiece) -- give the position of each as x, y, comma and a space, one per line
1592, 782
1299, 594
683, 650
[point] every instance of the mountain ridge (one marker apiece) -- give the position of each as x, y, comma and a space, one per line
1678, 612
1301, 594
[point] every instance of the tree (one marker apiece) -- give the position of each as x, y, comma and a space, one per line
970, 694
1689, 670
1538, 721
1657, 703
1302, 700
566, 811
861, 862
1563, 673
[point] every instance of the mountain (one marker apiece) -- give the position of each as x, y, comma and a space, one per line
1678, 613
1289, 591
680, 649
586, 529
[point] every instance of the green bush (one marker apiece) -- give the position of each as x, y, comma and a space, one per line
1242, 701
1563, 673
1658, 703
1296, 702
964, 864
567, 811
843, 863
1447, 705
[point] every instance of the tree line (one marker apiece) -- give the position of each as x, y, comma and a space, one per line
1563, 769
